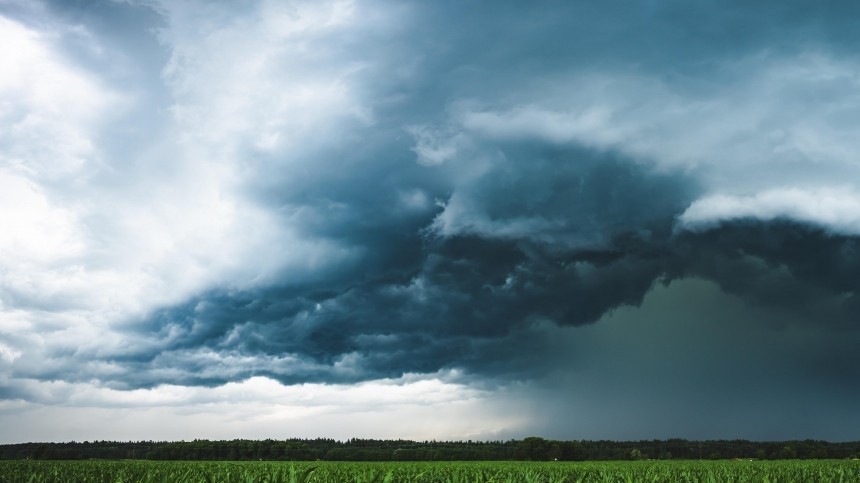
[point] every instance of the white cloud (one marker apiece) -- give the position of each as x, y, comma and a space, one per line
261, 408
50, 111
34, 228
762, 112
434, 147
8, 354
48, 107
765, 122
460, 217
96, 233
530, 121
264, 80
837, 211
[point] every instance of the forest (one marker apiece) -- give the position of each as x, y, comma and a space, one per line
528, 449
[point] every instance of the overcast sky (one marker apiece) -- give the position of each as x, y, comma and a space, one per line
411, 219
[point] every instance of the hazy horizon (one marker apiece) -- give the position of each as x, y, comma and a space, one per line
429, 220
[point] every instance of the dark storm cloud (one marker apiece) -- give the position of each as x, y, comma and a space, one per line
421, 302
460, 260
484, 182
782, 264
478, 303
696, 361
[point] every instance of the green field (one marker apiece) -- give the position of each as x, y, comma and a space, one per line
246, 472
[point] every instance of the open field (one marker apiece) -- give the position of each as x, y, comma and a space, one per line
453, 472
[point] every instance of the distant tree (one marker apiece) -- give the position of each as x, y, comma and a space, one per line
787, 453
40, 452
818, 454
534, 449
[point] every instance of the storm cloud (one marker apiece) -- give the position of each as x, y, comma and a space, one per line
471, 195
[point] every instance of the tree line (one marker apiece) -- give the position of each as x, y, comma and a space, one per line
532, 448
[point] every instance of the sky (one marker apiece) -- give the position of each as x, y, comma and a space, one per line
429, 220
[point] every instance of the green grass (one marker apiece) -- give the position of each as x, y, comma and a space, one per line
446, 472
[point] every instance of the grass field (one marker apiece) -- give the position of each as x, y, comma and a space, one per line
450, 472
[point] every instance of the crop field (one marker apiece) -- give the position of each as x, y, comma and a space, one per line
451, 472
